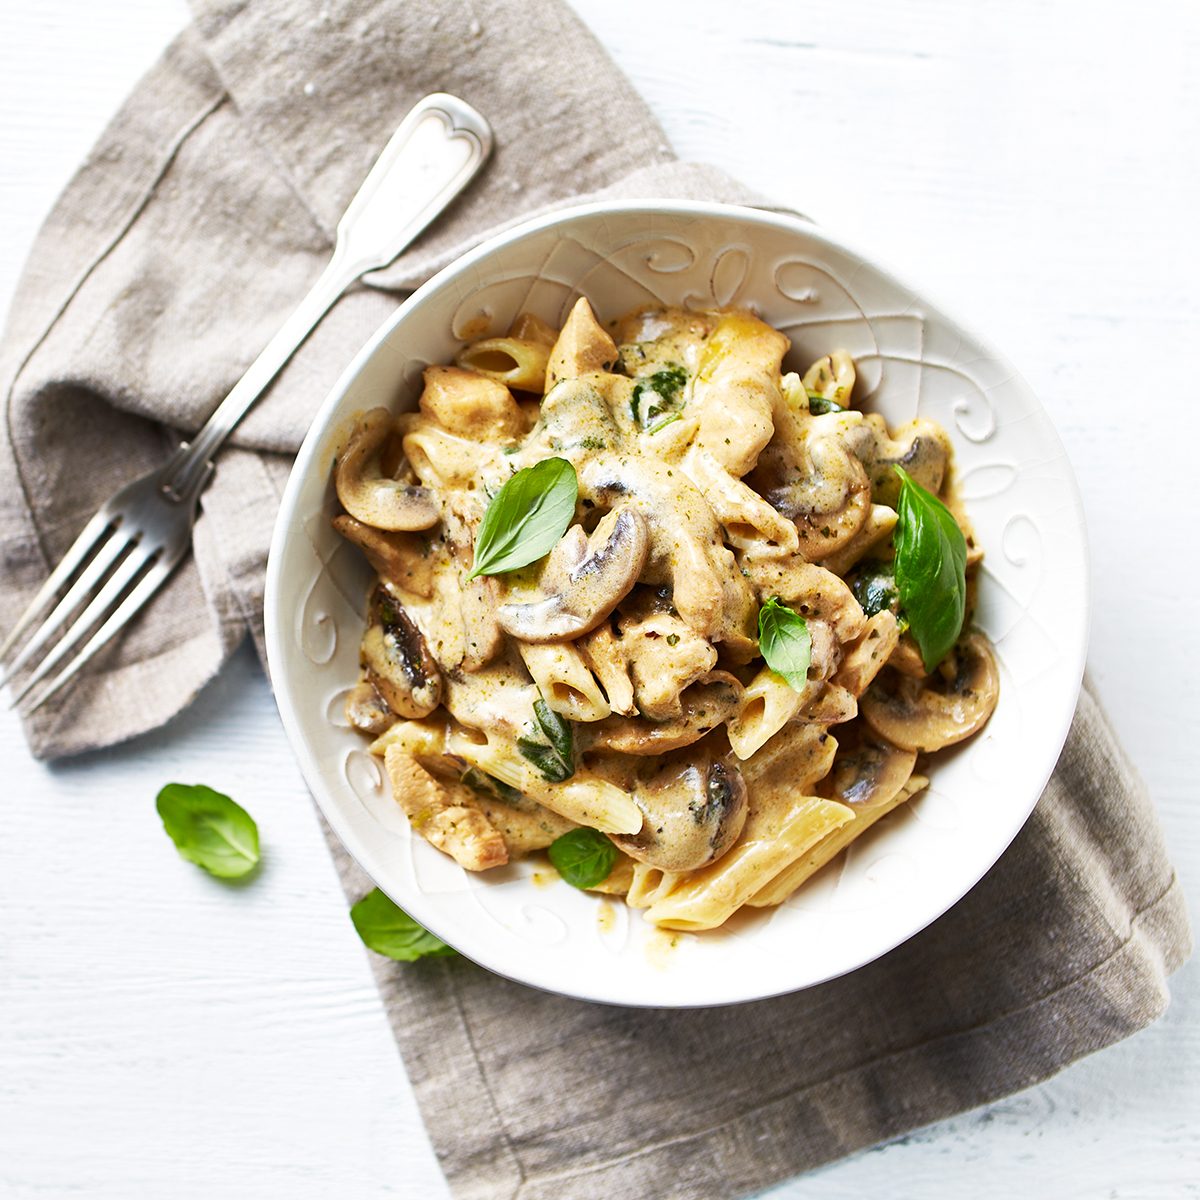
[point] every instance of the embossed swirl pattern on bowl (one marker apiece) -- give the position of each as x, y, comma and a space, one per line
912, 359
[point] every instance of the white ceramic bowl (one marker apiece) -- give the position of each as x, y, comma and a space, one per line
911, 359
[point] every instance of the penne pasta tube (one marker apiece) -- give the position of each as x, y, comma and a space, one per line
564, 680
584, 798
777, 890
774, 838
512, 361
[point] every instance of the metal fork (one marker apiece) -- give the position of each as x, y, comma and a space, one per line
129, 548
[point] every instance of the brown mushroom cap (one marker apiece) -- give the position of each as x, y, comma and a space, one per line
397, 662
868, 771
920, 447
366, 494
396, 557
708, 702
366, 711
940, 710
585, 578
829, 503
695, 810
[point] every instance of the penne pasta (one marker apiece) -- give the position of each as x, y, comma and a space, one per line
512, 361
564, 680
775, 836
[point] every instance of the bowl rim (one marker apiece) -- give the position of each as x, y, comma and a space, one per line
277, 655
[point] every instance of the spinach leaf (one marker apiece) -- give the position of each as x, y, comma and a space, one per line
654, 395
555, 756
209, 829
583, 857
390, 931
784, 642
874, 586
526, 517
931, 565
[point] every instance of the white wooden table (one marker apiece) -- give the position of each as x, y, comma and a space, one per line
1034, 166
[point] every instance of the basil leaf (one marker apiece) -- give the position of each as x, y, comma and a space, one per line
390, 931
931, 569
209, 829
874, 586
545, 759
654, 395
526, 517
818, 405
784, 642
554, 757
557, 729
583, 857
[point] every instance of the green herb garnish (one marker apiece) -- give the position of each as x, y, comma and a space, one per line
784, 642
488, 785
209, 829
526, 517
874, 586
654, 395
665, 422
554, 756
390, 931
931, 570
583, 857
818, 405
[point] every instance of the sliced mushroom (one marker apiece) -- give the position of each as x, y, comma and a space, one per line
366, 710
583, 581
686, 552
705, 705
366, 493
397, 557
868, 771
921, 447
810, 589
694, 808
397, 661
940, 710
830, 499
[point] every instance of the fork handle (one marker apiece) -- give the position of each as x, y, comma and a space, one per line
437, 150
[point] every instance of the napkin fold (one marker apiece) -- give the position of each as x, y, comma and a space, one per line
202, 215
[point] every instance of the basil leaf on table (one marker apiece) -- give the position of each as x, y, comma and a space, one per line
784, 642
526, 517
931, 570
554, 757
389, 930
583, 857
209, 829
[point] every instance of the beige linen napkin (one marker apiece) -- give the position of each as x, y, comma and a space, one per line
201, 216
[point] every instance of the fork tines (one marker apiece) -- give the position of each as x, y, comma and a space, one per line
105, 577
